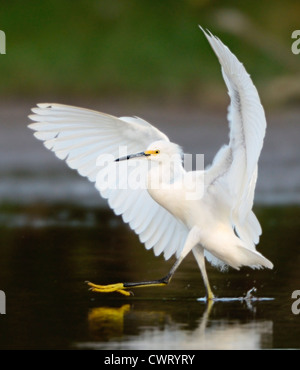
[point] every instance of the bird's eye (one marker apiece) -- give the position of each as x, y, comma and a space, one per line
157, 151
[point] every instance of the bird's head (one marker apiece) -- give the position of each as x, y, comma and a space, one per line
159, 151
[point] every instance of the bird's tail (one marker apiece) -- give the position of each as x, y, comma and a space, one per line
247, 257
226, 248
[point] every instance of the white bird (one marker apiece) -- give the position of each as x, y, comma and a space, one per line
219, 224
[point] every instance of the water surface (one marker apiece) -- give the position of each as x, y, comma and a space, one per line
48, 252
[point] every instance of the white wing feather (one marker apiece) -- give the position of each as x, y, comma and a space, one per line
81, 136
235, 166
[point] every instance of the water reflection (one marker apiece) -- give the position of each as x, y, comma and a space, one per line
110, 328
107, 322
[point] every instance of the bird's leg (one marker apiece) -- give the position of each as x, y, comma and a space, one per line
122, 288
198, 252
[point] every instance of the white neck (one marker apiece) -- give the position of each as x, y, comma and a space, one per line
166, 172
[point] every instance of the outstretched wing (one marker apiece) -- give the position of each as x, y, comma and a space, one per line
235, 165
81, 136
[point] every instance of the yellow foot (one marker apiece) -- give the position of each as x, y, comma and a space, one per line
119, 287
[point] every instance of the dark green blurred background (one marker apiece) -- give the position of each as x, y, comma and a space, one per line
145, 49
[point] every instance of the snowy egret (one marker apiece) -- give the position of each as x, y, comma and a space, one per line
219, 225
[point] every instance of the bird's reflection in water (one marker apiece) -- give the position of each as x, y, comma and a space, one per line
107, 322
134, 327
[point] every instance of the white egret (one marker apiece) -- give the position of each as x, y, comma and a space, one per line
220, 225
